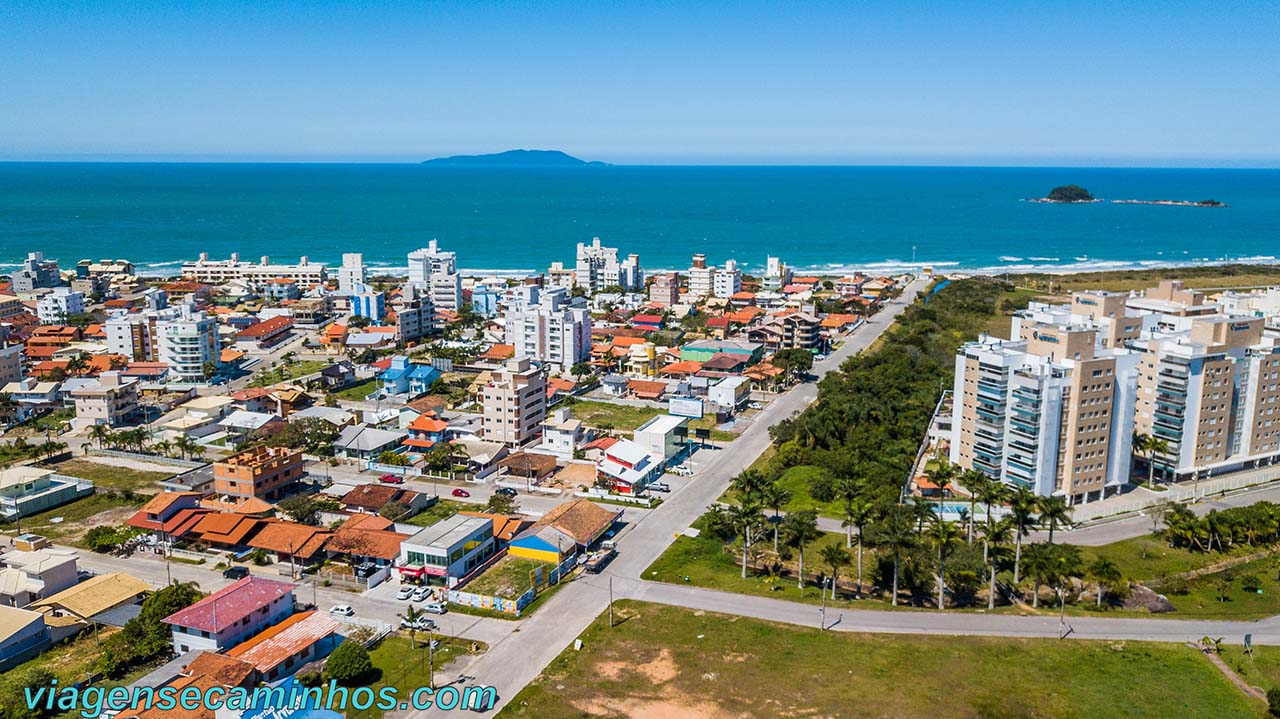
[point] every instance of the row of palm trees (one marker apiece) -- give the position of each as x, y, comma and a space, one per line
900, 529
139, 439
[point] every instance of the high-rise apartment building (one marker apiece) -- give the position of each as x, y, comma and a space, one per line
701, 277
56, 306
435, 273
776, 275
218, 272
546, 326
665, 289
515, 403
182, 337
727, 280
352, 273
598, 267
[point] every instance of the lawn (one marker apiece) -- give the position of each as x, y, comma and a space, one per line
281, 373
677, 663
1211, 277
112, 477
358, 391
606, 415
1000, 323
1202, 598
1149, 557
398, 663
442, 509
78, 516
509, 577
35, 429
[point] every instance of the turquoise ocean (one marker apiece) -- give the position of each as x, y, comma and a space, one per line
819, 219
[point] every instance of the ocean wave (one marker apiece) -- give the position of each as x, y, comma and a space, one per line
1009, 258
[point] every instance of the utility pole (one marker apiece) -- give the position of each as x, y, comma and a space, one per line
823, 620
611, 601
431, 660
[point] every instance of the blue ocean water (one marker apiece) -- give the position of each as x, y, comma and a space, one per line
815, 218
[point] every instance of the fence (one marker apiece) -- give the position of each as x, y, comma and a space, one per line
412, 472
1181, 493
145, 457
595, 493
517, 605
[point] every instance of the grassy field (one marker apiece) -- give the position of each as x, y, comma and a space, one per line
35, 429
78, 516
606, 415
111, 477
1215, 277
1000, 323
442, 509
679, 664
281, 373
358, 391
508, 578
796, 480
1149, 557
1224, 596
398, 663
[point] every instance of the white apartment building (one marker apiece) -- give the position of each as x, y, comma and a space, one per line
182, 337
218, 272
665, 289
727, 280
547, 327
57, 305
515, 402
10, 364
701, 277
776, 275
598, 267
352, 274
560, 276
434, 272
109, 400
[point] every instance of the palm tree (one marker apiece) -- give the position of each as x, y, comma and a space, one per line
945, 535
743, 517
411, 616
858, 512
922, 511
995, 538
1106, 573
162, 447
1022, 509
974, 481
1054, 511
835, 557
775, 497
895, 535
1039, 561
1155, 446
942, 475
798, 529
991, 493
77, 364
99, 433
1140, 444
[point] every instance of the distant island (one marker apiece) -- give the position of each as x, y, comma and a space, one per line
513, 159
1075, 194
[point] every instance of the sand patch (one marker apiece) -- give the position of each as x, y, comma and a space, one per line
661, 668
672, 708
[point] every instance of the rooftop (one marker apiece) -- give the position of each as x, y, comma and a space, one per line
274, 645
227, 606
96, 594
448, 532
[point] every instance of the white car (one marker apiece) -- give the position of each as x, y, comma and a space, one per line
435, 607
342, 610
421, 593
405, 592
682, 470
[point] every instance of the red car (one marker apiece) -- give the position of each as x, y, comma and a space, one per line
391, 479
461, 493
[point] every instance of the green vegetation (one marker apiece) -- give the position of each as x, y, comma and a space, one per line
349, 664
112, 477
668, 661
1069, 193
398, 662
442, 509
101, 507
609, 416
68, 662
1245, 591
54, 422
358, 391
287, 370
509, 577
1198, 277
145, 638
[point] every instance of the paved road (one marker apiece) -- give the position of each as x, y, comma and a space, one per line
517, 660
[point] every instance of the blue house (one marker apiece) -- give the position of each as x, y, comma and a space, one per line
404, 377
484, 301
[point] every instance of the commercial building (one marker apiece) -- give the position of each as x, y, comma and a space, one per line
54, 307
664, 436
628, 467
598, 267
514, 402
111, 400
231, 615
447, 551
261, 472
218, 272
434, 273
704, 350
576, 524
547, 326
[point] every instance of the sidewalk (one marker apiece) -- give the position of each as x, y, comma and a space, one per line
1142, 497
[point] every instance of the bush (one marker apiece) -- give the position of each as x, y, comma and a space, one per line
1250, 582
1273, 700
348, 664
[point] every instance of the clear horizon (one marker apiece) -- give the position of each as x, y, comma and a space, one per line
1169, 84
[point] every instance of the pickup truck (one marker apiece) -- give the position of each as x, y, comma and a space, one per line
599, 558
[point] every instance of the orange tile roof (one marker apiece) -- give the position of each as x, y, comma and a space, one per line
427, 423
362, 542
682, 367
627, 341
581, 519
223, 669
226, 528
265, 328
504, 527
335, 330
161, 502
645, 388
290, 538
272, 647
498, 352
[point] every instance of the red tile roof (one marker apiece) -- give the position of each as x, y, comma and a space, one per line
227, 606
271, 647
265, 329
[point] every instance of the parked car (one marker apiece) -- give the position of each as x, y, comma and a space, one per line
391, 479
505, 491
405, 592
435, 608
421, 593
342, 610
460, 492
756, 405
682, 470
235, 572
83, 574
421, 624
659, 487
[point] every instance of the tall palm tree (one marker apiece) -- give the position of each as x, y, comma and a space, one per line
995, 539
749, 485
1141, 442
411, 615
922, 511
1155, 446
896, 535
1039, 562
1106, 573
990, 494
798, 529
99, 433
942, 475
775, 497
974, 481
1054, 511
945, 536
835, 557
858, 512
1022, 509
743, 517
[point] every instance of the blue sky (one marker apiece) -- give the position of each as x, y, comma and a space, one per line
1132, 83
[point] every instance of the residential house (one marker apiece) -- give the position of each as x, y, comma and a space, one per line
262, 472
371, 497
241, 425
31, 396
279, 650
225, 530
366, 538
265, 335
562, 435
76, 606
364, 442
27, 576
576, 524
27, 490
628, 467
291, 542
231, 615
24, 635
169, 515
407, 378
